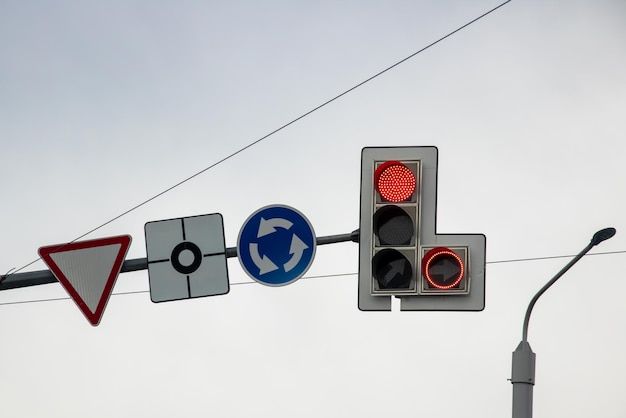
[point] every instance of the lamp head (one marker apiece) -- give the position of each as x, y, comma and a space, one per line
602, 235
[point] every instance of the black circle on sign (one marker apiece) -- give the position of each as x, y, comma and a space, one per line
197, 257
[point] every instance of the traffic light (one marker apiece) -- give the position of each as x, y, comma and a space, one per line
443, 270
400, 253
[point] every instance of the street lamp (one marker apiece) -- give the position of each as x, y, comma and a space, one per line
523, 365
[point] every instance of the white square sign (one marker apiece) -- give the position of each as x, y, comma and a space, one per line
186, 257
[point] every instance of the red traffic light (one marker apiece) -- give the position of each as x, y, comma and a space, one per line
394, 181
442, 268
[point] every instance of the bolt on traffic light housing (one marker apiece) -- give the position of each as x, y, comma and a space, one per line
400, 253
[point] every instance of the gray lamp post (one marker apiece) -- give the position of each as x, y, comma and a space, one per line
523, 368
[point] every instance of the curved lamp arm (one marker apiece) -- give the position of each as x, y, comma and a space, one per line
598, 237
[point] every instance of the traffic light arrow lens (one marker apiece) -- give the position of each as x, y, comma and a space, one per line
396, 270
396, 275
444, 270
392, 270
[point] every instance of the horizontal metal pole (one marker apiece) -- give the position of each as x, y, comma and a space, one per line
35, 278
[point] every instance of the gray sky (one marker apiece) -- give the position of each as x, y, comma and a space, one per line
105, 104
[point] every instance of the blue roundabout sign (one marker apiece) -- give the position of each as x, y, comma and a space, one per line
276, 245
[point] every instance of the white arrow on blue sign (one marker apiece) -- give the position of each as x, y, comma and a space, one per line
276, 245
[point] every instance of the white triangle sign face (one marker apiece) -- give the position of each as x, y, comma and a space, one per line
88, 270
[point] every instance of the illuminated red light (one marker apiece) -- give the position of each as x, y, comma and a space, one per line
445, 263
394, 181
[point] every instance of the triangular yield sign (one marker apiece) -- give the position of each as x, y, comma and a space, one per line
88, 270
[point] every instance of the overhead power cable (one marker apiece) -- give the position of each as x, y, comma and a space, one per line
324, 276
275, 130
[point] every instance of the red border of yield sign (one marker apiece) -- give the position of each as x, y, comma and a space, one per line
124, 242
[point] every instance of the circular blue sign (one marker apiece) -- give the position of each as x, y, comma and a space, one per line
276, 245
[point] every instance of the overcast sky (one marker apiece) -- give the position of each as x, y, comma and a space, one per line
104, 105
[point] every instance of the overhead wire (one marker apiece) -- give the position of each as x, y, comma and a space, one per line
185, 180
325, 276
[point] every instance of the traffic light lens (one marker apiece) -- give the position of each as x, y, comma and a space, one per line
391, 270
442, 268
394, 181
393, 226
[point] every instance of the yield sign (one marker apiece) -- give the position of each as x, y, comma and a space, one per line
88, 270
